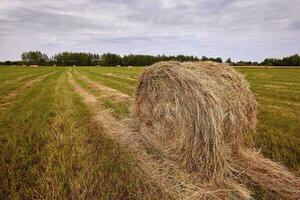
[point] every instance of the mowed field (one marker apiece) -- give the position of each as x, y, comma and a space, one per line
58, 128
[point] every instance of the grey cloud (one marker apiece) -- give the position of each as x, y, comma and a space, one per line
239, 29
295, 25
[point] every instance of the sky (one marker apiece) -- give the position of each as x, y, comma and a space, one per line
239, 29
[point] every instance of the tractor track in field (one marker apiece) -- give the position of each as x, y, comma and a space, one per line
163, 172
12, 96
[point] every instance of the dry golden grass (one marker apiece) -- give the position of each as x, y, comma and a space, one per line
199, 113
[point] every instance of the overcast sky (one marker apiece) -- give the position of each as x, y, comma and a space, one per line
240, 29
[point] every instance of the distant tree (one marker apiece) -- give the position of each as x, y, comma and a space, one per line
75, 58
34, 58
183, 58
228, 61
293, 60
138, 60
7, 62
110, 59
218, 59
204, 58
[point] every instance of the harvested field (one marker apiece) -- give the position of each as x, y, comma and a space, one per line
67, 131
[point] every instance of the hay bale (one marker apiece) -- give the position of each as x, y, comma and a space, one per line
198, 113
34, 66
201, 115
130, 67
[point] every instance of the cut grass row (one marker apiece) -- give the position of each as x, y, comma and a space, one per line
119, 109
51, 149
123, 85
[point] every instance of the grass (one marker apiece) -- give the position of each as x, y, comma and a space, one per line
278, 96
51, 149
7, 88
8, 74
23, 127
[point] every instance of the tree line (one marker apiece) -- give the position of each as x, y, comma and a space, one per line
89, 59
111, 59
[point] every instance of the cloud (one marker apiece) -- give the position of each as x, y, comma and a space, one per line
240, 29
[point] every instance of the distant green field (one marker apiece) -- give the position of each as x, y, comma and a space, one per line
49, 143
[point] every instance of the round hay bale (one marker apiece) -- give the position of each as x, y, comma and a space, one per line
198, 114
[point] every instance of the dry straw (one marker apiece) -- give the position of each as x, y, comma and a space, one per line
200, 115
197, 113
